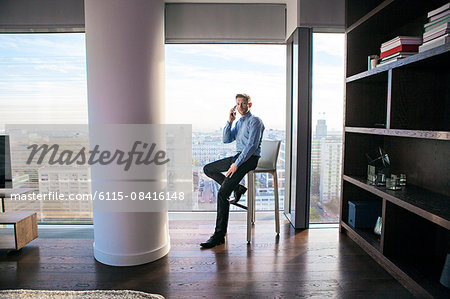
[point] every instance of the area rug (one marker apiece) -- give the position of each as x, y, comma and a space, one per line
106, 294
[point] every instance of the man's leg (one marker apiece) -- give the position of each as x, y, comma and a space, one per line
227, 186
214, 170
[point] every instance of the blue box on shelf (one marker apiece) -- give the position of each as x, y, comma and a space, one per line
363, 214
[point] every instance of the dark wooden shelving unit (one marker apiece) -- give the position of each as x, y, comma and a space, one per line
404, 108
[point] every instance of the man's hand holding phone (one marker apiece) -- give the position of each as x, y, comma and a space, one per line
232, 116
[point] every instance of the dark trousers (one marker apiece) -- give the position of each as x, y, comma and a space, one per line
227, 185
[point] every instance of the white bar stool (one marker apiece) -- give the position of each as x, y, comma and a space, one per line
266, 164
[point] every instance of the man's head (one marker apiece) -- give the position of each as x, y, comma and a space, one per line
243, 103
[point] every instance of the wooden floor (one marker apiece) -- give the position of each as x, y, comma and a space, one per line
312, 263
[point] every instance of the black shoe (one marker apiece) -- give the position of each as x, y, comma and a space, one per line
238, 193
214, 241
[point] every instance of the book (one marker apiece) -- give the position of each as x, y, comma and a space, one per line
400, 48
398, 55
442, 14
392, 59
432, 25
401, 40
389, 61
438, 10
441, 27
442, 40
400, 43
436, 35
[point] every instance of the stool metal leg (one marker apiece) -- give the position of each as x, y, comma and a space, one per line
253, 198
277, 207
249, 205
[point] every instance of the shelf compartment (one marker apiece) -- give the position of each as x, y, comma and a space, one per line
427, 204
420, 159
353, 193
421, 95
388, 20
358, 11
434, 135
418, 247
399, 274
367, 235
366, 102
356, 146
423, 59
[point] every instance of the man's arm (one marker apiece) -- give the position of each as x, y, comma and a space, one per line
229, 134
256, 128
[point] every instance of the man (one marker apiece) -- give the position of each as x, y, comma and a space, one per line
247, 132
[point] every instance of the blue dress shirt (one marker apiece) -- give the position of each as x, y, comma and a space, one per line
248, 132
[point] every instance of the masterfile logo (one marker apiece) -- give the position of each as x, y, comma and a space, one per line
141, 153
115, 167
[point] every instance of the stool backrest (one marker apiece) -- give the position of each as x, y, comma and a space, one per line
269, 154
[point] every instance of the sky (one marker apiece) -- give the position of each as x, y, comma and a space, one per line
43, 80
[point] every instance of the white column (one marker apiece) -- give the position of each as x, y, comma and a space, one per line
125, 71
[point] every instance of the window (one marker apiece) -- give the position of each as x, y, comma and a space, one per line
43, 81
201, 84
327, 125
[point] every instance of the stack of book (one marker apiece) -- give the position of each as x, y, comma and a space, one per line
437, 29
398, 48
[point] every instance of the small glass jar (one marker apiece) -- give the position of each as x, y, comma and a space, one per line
402, 179
393, 183
372, 61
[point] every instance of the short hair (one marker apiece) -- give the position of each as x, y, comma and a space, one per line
244, 96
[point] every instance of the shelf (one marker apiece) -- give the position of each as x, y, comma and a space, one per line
366, 234
427, 204
402, 271
408, 61
434, 135
424, 277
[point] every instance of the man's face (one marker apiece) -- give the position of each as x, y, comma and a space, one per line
243, 106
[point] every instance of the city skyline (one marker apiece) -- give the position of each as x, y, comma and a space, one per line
206, 147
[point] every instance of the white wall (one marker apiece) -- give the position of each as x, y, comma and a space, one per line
321, 15
292, 21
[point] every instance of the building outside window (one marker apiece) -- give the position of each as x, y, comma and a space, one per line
327, 118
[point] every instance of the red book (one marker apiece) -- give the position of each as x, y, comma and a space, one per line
401, 48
